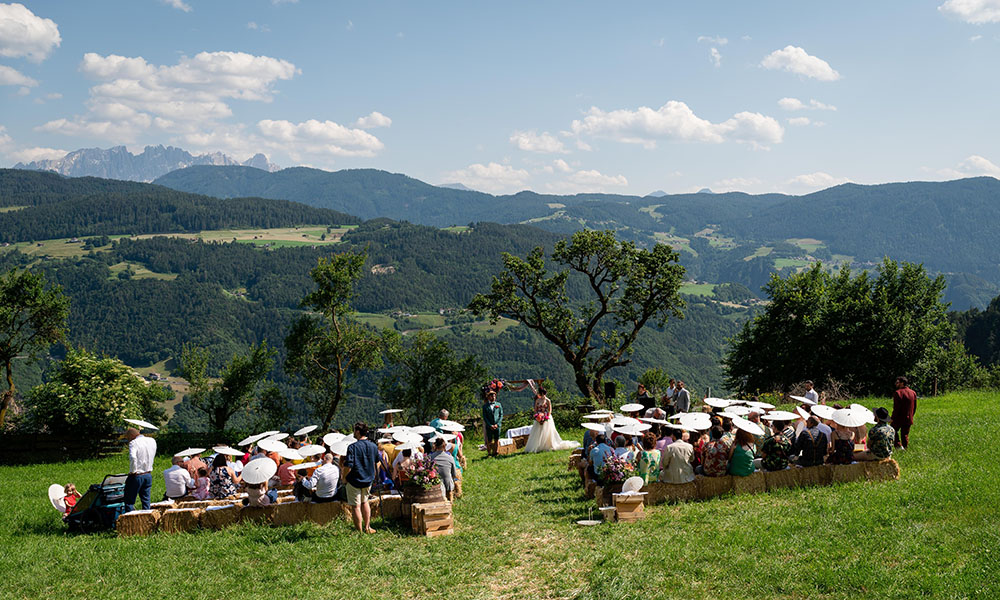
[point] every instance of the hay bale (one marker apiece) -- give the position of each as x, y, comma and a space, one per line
257, 514
285, 499
162, 506
285, 492
821, 475
290, 513
202, 504
323, 513
882, 470
751, 484
787, 478
392, 507
138, 522
175, 520
846, 473
710, 487
220, 516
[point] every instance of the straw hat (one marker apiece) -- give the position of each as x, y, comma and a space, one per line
141, 423
259, 471
305, 430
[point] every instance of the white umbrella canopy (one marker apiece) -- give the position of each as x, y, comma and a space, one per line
631, 407
423, 429
277, 436
764, 405
633, 484
332, 438
864, 410
56, 495
290, 454
849, 418
780, 415
592, 426
228, 451
300, 466
717, 402
190, 452
251, 439
801, 399
620, 421
305, 430
340, 448
740, 411
406, 437
259, 471
748, 426
311, 450
452, 426
271, 445
823, 411
390, 411
141, 423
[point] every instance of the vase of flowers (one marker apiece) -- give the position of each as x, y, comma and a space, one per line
423, 482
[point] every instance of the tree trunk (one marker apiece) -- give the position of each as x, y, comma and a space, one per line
8, 396
584, 385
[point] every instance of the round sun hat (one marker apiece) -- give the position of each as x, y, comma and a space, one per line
305, 465
332, 438
191, 452
340, 448
259, 471
780, 415
864, 410
802, 400
717, 402
451, 426
305, 430
228, 451
849, 418
290, 454
802, 413
141, 423
424, 429
311, 450
823, 411
56, 495
748, 426
277, 436
390, 411
633, 484
593, 426
764, 405
407, 437
631, 407
251, 439
271, 445
740, 411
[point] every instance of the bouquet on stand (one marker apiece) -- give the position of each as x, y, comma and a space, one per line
422, 472
617, 469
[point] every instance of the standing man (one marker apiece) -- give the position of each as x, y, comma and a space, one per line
141, 451
668, 398
904, 406
811, 393
359, 464
682, 398
492, 422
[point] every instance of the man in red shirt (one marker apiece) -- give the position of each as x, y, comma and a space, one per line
904, 406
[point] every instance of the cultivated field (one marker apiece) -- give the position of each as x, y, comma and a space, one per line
932, 534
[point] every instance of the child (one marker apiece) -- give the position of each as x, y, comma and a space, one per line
201, 484
71, 497
259, 495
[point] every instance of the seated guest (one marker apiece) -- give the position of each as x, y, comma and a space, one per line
699, 449
741, 454
727, 431
194, 463
675, 465
600, 451
436, 423
201, 483
285, 474
758, 440
325, 480
666, 438
259, 495
223, 482
811, 446
715, 462
403, 460
177, 479
842, 452
621, 448
302, 488
446, 468
648, 466
880, 438
777, 447
70, 496
655, 413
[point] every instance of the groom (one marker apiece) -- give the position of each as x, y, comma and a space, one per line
492, 422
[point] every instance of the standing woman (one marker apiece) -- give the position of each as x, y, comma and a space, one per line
223, 482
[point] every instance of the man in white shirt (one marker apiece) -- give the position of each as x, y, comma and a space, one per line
177, 479
811, 393
325, 479
141, 452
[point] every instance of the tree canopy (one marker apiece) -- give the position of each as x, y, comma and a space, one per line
240, 384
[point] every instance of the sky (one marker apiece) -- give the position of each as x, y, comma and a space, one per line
556, 97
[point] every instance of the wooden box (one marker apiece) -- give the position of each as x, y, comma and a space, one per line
219, 517
432, 519
520, 441
138, 522
175, 520
629, 507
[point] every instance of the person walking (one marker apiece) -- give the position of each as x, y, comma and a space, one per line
904, 406
141, 452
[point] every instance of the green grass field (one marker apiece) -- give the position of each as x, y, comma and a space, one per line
706, 290
932, 534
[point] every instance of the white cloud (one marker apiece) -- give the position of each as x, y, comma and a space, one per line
562, 165
736, 184
975, 38
542, 143
977, 165
796, 104
373, 120
492, 177
796, 60
10, 150
318, 137
973, 11
53, 96
22, 34
799, 121
815, 181
178, 4
10, 76
253, 25
715, 57
350, 25
718, 40
587, 181
675, 121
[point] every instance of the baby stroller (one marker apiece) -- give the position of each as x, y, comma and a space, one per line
100, 507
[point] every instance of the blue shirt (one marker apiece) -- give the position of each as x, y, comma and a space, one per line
597, 456
362, 458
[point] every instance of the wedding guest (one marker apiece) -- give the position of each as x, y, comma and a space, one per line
325, 480
285, 474
648, 465
666, 438
682, 398
811, 446
904, 407
223, 482
442, 416
302, 489
70, 496
201, 483
141, 452
880, 438
777, 447
445, 464
741, 454
259, 495
403, 460
360, 469
177, 480
715, 462
842, 452
193, 464
643, 397
600, 452
621, 447
811, 393
668, 398
699, 449
675, 465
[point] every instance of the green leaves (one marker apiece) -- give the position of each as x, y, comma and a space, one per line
236, 387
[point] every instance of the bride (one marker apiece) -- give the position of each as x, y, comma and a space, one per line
543, 436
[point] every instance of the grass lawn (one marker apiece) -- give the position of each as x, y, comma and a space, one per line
706, 290
140, 272
783, 263
931, 534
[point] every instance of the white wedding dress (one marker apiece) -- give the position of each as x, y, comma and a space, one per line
544, 437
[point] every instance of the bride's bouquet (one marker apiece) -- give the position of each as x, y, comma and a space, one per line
423, 472
617, 468
542, 417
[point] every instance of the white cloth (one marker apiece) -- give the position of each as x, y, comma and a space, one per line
812, 395
325, 479
517, 431
177, 480
141, 452
544, 437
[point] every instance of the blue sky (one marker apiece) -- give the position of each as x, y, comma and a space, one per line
558, 97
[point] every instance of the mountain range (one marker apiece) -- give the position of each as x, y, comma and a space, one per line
152, 162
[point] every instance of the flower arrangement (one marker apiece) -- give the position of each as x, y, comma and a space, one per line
542, 417
617, 468
422, 472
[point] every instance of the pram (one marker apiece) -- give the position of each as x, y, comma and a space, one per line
100, 507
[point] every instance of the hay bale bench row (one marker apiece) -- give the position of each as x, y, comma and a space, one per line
704, 488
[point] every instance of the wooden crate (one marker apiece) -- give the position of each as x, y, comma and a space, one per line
629, 507
176, 520
432, 519
138, 522
520, 441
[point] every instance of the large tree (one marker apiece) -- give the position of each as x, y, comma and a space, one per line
425, 376
32, 318
860, 331
624, 287
329, 347
241, 383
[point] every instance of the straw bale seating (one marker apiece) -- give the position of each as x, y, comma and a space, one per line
846, 473
788, 478
324, 512
262, 515
290, 513
138, 522
751, 484
392, 507
175, 520
220, 517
